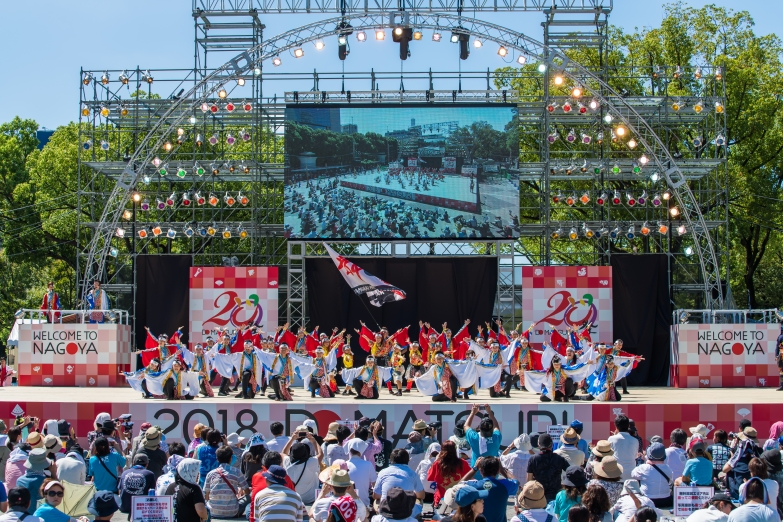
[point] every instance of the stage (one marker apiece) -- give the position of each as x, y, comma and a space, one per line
657, 411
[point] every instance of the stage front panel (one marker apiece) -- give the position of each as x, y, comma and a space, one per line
724, 355
558, 297
230, 297
88, 355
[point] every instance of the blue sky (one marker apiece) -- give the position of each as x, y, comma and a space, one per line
47, 42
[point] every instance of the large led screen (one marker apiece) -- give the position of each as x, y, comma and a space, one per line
404, 172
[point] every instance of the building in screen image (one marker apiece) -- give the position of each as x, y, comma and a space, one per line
405, 172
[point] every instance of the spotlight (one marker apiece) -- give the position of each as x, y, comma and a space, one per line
230, 166
585, 166
570, 200
342, 46
85, 110
244, 135
215, 168
599, 168
229, 199
688, 251
202, 231
198, 169
602, 199
615, 233
276, 61
142, 233
104, 145
222, 93
123, 78
230, 139
645, 230
663, 228
298, 52
241, 81
567, 107
558, 79
403, 36
552, 137
245, 168
698, 142
145, 205
542, 67
104, 111
156, 230
113, 252
147, 77
719, 73
417, 34
454, 37
213, 200
87, 78
257, 71
643, 198
720, 140
588, 232
105, 78
674, 211
200, 200
551, 107
576, 92
136, 197
211, 230
242, 233
243, 200
557, 198
584, 199
164, 169
594, 104
361, 36
654, 177
636, 168
630, 199
213, 140
502, 51
171, 233
656, 72
214, 108
718, 107
319, 44
247, 106
632, 143
677, 105
620, 131
477, 43
120, 232
643, 160
656, 200
573, 234
681, 230
616, 169
167, 146
199, 140
521, 59
697, 73
608, 118
227, 233
188, 231
571, 136
616, 198
186, 199
631, 233
397, 31
230, 107
436, 36
380, 34
666, 195
557, 233
677, 73
171, 199
156, 161
582, 108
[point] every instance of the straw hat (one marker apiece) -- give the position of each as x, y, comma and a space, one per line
532, 496
339, 479
570, 436
608, 468
602, 449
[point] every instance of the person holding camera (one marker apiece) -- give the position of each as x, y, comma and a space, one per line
486, 441
301, 466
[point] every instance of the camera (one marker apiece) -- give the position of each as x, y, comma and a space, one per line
435, 425
732, 435
124, 420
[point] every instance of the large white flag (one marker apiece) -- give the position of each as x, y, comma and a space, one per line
377, 290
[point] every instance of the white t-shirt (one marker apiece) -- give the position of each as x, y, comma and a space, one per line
516, 462
13, 516
711, 514
676, 459
307, 484
277, 444
653, 484
772, 491
625, 447
362, 475
536, 515
422, 470
754, 513
625, 507
320, 509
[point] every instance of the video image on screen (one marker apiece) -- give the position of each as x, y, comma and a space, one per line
401, 172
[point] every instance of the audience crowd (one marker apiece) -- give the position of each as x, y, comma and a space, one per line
354, 474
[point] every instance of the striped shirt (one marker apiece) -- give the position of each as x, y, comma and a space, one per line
223, 501
277, 503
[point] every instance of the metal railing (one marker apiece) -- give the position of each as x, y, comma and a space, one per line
72, 316
704, 316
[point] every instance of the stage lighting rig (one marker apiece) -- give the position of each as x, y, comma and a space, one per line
403, 36
345, 30
460, 36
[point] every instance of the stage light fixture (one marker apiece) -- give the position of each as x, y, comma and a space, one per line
222, 93
636, 168
576, 92
567, 107
214, 108
361, 36
599, 168
242, 233
719, 107
616, 169
87, 78
298, 52
257, 71
720, 140
663, 228
104, 111
105, 78
113, 252
167, 146
681, 230
230, 166
584, 199
587, 231
417, 34
142, 233
632, 143
620, 131
171, 199
243, 200
645, 230
688, 251
230, 139
436, 36
85, 110
616, 198
230, 107
642, 200
551, 107
211, 230
213, 140
594, 104
229, 199
171, 233
227, 233
630, 199
585, 166
571, 136
581, 108
213, 200
558, 78
608, 118
570, 200
380, 34
631, 233
557, 198
87, 145
245, 135
164, 169
677, 105
719, 73
398, 31
245, 168
557, 233
615, 233
276, 61
521, 59
182, 138
120, 232
553, 137
666, 195
477, 43
123, 78
202, 231
188, 231
403, 36
319, 44
654, 177
674, 211
241, 81
698, 141
198, 169
214, 168
643, 160
247, 106
186, 199
200, 200
677, 73
204, 107
156, 161
656, 72
147, 77
573, 234
157, 230
542, 67
136, 197
602, 199
454, 37
145, 205
104, 145
502, 51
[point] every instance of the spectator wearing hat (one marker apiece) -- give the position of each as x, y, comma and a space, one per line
547, 467
398, 474
18, 504
362, 472
176, 453
499, 489
398, 505
447, 470
608, 474
136, 441
337, 489
54, 448
719, 451
103, 505
582, 444
755, 504
415, 448
135, 481
423, 469
484, 442
698, 468
98, 431
758, 469
150, 447
626, 447
629, 502
470, 505
72, 468
676, 454
717, 509
601, 449
531, 504
225, 487
15, 465
574, 486
773, 459
301, 466
251, 461
276, 502
655, 477
237, 445
516, 457
189, 502
36, 464
198, 431
597, 500
35, 440
737, 468
568, 448
426, 433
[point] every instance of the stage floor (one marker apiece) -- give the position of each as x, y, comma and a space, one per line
638, 395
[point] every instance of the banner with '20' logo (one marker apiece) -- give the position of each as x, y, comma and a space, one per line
560, 297
230, 297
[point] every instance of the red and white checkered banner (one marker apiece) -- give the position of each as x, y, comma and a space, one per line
230, 297
724, 355
558, 297
88, 355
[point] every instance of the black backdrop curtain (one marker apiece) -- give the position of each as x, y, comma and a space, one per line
162, 294
642, 314
438, 291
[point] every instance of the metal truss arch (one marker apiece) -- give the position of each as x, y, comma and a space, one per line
248, 63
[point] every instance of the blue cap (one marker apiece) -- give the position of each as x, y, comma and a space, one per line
467, 495
577, 425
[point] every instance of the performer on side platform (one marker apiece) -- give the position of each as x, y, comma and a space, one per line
51, 302
367, 379
97, 299
5, 373
779, 357
201, 363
